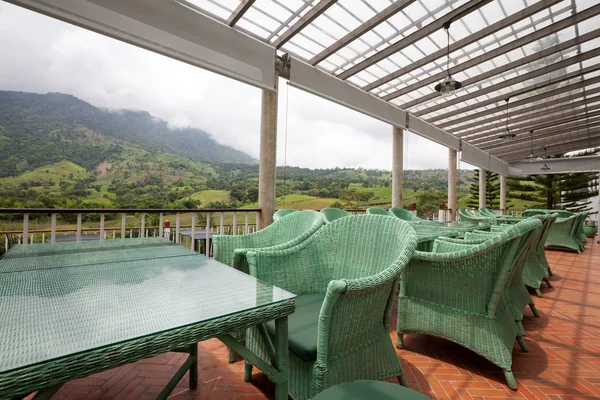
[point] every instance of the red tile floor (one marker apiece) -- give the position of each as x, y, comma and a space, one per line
563, 360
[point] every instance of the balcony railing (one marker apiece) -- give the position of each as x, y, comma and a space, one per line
199, 224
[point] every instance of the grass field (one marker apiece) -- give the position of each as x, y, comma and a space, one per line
206, 196
65, 170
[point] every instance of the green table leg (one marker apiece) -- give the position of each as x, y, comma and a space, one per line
281, 356
194, 366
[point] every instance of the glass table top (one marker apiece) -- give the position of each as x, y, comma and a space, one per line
52, 313
89, 257
39, 249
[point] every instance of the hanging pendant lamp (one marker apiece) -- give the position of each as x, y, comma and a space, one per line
531, 156
507, 135
545, 167
449, 85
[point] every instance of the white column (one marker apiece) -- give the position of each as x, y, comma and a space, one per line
502, 194
452, 183
268, 152
25, 228
397, 166
482, 187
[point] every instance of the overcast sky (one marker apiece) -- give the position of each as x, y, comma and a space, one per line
40, 54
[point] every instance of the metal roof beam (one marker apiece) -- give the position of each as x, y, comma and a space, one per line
474, 49
558, 166
368, 25
576, 130
508, 67
303, 22
531, 99
517, 79
544, 119
490, 30
515, 44
565, 146
239, 12
549, 127
527, 89
464, 130
531, 119
437, 24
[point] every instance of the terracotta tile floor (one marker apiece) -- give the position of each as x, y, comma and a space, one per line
563, 362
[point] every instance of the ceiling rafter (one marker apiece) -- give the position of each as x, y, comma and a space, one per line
576, 130
436, 25
508, 67
493, 141
470, 51
465, 130
498, 127
239, 12
489, 30
515, 44
592, 139
518, 79
303, 22
366, 26
527, 89
531, 99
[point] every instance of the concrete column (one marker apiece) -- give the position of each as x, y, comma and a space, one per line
452, 183
503, 194
397, 166
482, 187
268, 152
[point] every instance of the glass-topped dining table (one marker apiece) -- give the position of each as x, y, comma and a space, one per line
69, 310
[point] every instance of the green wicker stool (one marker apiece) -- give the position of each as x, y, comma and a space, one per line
369, 390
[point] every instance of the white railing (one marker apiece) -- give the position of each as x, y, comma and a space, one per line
213, 222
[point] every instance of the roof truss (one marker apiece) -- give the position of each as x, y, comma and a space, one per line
463, 10
239, 12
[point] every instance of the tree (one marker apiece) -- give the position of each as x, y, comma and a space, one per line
557, 191
492, 190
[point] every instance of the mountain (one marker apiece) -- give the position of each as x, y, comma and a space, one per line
41, 129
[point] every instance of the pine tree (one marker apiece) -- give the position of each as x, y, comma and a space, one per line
492, 190
557, 191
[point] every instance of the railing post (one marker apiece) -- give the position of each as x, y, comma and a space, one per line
207, 243
78, 227
101, 226
123, 222
143, 228
221, 228
53, 229
246, 231
235, 223
177, 228
161, 229
193, 245
257, 221
5, 242
25, 228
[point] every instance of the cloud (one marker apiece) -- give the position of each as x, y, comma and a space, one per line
40, 54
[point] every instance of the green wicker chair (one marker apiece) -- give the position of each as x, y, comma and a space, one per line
331, 214
537, 269
565, 233
561, 213
376, 211
404, 214
286, 232
282, 213
518, 297
346, 276
466, 216
486, 212
458, 292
